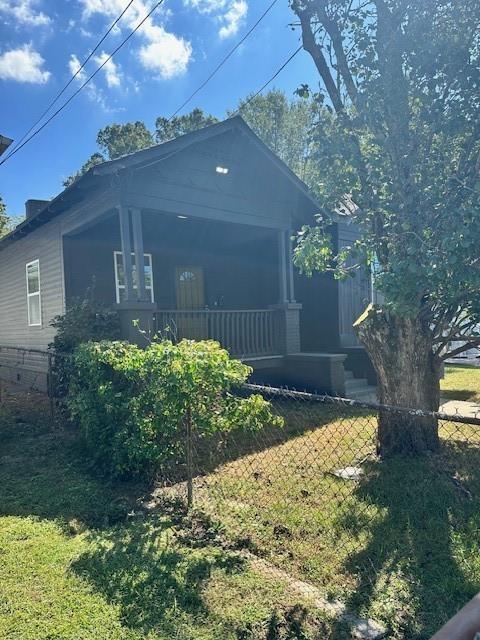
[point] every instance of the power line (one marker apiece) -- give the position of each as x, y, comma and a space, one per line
252, 97
67, 102
223, 61
62, 91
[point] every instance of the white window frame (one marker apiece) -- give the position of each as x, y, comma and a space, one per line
35, 294
119, 286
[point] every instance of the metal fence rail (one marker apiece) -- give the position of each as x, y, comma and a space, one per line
28, 368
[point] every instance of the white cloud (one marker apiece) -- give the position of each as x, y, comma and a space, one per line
229, 13
24, 12
94, 94
233, 19
112, 73
23, 65
164, 53
74, 65
207, 6
92, 91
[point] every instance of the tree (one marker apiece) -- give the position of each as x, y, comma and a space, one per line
94, 159
286, 127
117, 140
169, 129
400, 97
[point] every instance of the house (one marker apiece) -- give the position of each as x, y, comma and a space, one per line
209, 216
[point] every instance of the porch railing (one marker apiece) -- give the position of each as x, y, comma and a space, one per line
243, 333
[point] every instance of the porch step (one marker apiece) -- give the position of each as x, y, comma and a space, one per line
369, 394
359, 389
355, 384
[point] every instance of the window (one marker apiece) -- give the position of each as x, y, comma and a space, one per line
34, 303
120, 275
187, 276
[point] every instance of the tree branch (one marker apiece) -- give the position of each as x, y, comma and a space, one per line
310, 45
335, 34
462, 349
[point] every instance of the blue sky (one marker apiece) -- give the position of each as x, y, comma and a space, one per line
41, 42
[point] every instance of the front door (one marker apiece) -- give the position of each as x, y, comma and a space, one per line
189, 291
189, 288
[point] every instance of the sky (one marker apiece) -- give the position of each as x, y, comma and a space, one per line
42, 42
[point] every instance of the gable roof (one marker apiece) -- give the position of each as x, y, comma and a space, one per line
144, 158
147, 156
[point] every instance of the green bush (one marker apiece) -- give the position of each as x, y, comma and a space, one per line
132, 404
84, 320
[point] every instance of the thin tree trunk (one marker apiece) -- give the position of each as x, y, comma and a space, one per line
408, 373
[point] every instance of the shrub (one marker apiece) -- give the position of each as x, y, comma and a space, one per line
84, 320
133, 404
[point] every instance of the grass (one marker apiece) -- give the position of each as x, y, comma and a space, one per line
400, 546
461, 382
74, 566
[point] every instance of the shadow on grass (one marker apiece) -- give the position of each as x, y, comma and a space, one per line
45, 472
426, 543
459, 394
155, 582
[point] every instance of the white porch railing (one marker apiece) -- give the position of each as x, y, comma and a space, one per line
244, 333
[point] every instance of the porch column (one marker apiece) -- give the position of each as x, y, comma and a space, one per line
290, 266
124, 219
136, 313
282, 263
138, 251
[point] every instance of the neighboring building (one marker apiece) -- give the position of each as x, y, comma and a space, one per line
210, 216
4, 143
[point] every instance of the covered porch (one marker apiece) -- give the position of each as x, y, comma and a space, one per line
201, 279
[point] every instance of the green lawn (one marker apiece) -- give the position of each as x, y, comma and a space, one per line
461, 382
400, 546
73, 567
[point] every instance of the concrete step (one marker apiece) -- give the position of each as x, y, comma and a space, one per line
356, 384
367, 394
359, 389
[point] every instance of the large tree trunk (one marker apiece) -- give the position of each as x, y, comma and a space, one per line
408, 373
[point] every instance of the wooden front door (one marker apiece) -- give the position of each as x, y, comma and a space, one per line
189, 290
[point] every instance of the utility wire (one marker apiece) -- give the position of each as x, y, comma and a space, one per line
62, 91
106, 61
252, 97
223, 61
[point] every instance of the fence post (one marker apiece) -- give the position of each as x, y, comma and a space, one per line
188, 424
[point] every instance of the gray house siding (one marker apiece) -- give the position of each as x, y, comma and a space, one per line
354, 293
252, 193
46, 246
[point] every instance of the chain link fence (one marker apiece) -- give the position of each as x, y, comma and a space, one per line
312, 502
